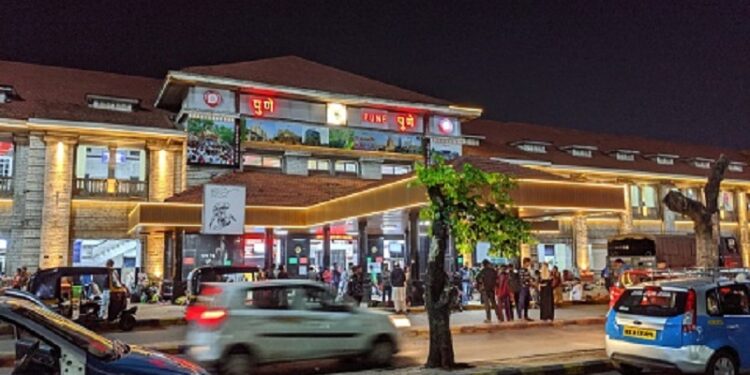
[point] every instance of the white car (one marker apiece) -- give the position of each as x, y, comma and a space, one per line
234, 327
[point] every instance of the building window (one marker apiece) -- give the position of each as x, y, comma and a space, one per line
534, 147
263, 161
345, 166
395, 169
96, 175
702, 164
644, 201
580, 151
726, 206
625, 155
112, 103
664, 160
319, 165
736, 167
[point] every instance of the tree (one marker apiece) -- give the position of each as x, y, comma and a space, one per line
705, 217
467, 205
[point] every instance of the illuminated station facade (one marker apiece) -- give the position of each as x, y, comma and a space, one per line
97, 166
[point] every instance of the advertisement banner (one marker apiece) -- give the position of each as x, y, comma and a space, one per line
292, 133
212, 142
223, 209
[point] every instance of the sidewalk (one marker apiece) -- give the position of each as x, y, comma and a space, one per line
469, 321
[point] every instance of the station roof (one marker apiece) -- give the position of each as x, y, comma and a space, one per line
56, 93
501, 138
293, 71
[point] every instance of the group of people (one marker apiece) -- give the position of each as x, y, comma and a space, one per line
20, 279
507, 289
351, 282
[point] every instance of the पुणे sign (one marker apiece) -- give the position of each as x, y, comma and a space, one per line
223, 209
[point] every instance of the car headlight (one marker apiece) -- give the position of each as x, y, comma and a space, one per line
399, 321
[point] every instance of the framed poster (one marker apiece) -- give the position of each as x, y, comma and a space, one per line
212, 142
223, 209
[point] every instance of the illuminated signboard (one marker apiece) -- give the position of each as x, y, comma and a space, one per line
375, 117
212, 98
445, 126
405, 121
261, 106
336, 114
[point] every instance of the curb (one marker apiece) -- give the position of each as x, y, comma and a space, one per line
585, 367
493, 328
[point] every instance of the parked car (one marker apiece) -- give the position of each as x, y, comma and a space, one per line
234, 327
47, 343
698, 325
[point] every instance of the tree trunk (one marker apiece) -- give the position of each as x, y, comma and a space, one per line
705, 217
437, 292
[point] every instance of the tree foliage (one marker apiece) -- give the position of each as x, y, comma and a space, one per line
469, 205
476, 205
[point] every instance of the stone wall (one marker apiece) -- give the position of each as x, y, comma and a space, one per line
154, 255
28, 197
99, 220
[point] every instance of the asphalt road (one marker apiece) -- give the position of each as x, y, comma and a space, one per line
468, 348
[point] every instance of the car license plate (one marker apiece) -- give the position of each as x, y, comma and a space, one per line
640, 333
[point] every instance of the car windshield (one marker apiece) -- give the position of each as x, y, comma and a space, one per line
652, 302
94, 344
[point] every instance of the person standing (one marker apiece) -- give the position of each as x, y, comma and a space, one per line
111, 281
282, 274
385, 284
398, 284
465, 285
504, 295
335, 277
557, 286
546, 296
514, 284
524, 295
17, 279
356, 287
487, 279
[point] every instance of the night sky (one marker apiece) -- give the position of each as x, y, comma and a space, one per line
673, 70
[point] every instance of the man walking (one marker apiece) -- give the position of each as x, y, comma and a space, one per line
488, 279
465, 285
524, 297
398, 283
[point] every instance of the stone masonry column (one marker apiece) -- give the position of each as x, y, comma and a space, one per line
28, 190
154, 263
161, 180
742, 230
581, 242
58, 190
668, 216
626, 216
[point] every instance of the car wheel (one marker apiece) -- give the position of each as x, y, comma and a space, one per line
238, 363
381, 353
628, 369
722, 363
126, 322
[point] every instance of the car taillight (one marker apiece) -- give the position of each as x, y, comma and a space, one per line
210, 291
691, 313
207, 317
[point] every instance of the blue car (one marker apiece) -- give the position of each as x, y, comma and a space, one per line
47, 343
699, 326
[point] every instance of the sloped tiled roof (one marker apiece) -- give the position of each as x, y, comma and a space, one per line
60, 94
269, 188
500, 135
516, 171
293, 71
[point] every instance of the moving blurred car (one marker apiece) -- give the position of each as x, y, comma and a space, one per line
47, 343
698, 326
234, 327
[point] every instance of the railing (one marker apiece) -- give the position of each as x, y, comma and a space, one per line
6, 186
100, 188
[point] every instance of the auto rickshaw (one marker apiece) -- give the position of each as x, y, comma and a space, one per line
219, 274
76, 293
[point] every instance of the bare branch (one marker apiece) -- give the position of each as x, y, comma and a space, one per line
677, 202
713, 184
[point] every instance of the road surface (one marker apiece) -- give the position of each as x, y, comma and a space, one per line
471, 348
